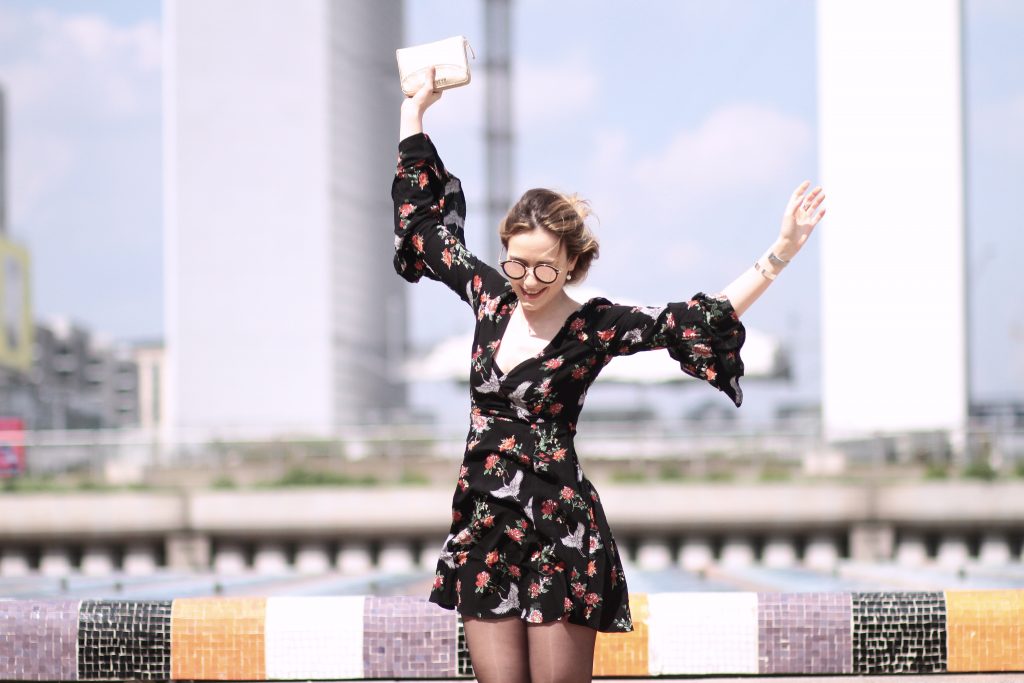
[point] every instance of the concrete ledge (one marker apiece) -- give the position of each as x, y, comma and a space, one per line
824, 635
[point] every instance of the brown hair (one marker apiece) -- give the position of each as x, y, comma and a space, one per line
564, 216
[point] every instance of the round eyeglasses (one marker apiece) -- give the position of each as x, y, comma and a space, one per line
516, 270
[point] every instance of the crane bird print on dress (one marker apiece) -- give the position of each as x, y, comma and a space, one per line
651, 312
528, 509
633, 336
575, 539
517, 401
511, 489
509, 603
491, 384
446, 555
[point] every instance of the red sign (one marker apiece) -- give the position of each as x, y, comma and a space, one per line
12, 447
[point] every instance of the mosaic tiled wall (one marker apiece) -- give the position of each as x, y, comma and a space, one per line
340, 638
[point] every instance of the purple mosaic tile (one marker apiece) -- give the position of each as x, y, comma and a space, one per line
804, 633
38, 640
406, 637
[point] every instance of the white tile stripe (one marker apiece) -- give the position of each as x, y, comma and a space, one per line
319, 637
702, 633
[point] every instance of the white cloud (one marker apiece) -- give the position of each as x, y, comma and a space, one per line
81, 63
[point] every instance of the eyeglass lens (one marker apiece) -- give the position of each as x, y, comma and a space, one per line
543, 272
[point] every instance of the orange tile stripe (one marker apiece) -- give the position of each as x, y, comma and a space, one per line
985, 630
625, 654
218, 639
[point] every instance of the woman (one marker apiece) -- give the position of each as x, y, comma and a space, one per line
530, 562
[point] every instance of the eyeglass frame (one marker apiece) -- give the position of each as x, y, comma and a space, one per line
530, 269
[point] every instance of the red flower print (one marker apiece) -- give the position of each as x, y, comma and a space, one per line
579, 373
568, 605
491, 461
482, 579
534, 589
405, 209
548, 507
515, 571
488, 521
591, 568
461, 557
463, 471
515, 534
690, 333
477, 283
446, 256
438, 581
556, 408
710, 373
492, 558
560, 566
670, 322
558, 455
567, 493
456, 516
535, 616
507, 444
553, 363
606, 335
702, 350
578, 589
576, 325
417, 241
592, 599
422, 180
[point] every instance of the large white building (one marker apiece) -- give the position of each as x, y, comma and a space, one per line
283, 312
890, 116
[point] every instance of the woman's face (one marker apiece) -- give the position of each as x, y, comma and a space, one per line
534, 248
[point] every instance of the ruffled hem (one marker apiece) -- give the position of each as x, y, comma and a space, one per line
723, 332
615, 626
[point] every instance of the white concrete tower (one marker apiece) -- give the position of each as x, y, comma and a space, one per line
283, 312
894, 342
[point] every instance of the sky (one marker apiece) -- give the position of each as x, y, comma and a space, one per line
686, 124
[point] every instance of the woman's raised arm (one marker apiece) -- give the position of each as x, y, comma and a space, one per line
414, 107
798, 221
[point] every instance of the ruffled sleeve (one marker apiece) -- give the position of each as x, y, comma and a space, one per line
430, 214
703, 334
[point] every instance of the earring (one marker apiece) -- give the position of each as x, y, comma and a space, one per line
569, 276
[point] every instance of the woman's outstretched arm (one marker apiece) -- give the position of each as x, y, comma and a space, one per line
798, 221
414, 107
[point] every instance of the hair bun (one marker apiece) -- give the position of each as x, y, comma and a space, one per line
580, 205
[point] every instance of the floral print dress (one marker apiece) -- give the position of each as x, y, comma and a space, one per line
528, 536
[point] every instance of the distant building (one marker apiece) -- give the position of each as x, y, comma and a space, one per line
76, 381
283, 313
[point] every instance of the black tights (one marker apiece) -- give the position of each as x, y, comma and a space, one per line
511, 651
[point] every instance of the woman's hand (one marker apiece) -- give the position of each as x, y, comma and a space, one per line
799, 219
414, 107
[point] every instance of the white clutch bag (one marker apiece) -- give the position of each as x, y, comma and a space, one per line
448, 57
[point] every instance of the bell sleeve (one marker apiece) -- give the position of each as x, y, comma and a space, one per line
703, 334
430, 212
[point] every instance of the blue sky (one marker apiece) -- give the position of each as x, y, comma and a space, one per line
685, 123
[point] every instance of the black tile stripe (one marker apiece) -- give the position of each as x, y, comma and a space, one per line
895, 633
121, 639
463, 665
